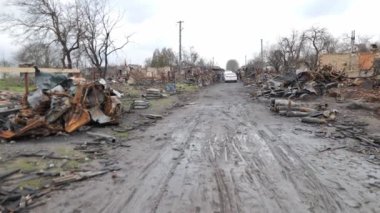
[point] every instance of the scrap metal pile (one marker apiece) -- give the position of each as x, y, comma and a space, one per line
301, 84
62, 104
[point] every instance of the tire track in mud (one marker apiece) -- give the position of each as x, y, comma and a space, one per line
151, 174
248, 170
227, 192
311, 191
240, 167
223, 155
227, 154
184, 146
315, 194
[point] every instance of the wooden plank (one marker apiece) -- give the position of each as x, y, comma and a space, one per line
9, 173
31, 70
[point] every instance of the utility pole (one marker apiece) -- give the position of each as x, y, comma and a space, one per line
262, 55
352, 41
180, 46
352, 48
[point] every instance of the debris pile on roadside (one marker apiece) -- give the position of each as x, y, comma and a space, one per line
9, 104
30, 174
318, 115
25, 198
62, 104
200, 76
153, 93
362, 141
9, 101
16, 199
140, 104
351, 129
302, 85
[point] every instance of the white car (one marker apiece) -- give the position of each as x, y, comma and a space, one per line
230, 76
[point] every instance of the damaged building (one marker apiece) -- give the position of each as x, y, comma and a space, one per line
359, 64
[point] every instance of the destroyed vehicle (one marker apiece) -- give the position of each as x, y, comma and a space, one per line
229, 76
62, 105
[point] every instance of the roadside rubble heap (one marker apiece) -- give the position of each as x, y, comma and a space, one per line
22, 199
330, 126
9, 104
153, 93
28, 175
8, 101
140, 104
62, 104
301, 84
320, 115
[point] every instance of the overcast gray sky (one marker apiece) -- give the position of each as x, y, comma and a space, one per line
228, 29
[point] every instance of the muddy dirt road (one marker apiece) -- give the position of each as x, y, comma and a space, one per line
225, 153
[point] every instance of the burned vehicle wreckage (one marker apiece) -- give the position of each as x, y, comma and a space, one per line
62, 104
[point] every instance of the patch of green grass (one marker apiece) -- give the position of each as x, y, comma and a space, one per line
69, 152
132, 92
123, 135
182, 87
161, 103
14, 85
27, 164
126, 103
35, 183
71, 165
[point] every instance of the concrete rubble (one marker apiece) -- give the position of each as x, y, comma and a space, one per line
140, 104
62, 104
153, 93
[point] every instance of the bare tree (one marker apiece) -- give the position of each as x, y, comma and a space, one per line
42, 55
191, 57
5, 63
194, 56
165, 57
320, 40
50, 21
291, 48
364, 42
98, 26
232, 65
275, 58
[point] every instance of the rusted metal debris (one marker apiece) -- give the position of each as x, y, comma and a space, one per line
62, 104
